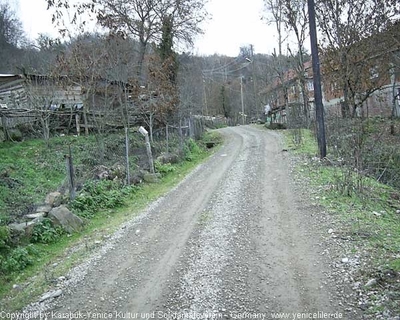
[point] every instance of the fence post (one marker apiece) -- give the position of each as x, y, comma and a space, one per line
78, 125
70, 174
191, 131
167, 137
144, 133
128, 175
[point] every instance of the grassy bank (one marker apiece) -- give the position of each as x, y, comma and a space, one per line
367, 214
49, 261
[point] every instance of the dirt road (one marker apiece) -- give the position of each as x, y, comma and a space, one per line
231, 241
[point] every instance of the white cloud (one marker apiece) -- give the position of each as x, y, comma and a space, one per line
35, 18
235, 23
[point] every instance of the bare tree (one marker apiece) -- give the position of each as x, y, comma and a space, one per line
142, 19
274, 14
345, 26
295, 17
12, 38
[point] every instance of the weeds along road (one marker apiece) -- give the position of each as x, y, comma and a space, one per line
229, 241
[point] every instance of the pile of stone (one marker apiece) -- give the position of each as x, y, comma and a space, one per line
52, 209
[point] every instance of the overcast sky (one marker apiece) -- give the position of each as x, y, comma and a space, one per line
233, 23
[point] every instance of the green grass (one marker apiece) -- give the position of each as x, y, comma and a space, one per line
55, 259
27, 174
306, 142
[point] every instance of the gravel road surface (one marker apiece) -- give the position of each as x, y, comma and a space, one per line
231, 241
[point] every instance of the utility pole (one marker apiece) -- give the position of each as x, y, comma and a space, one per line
205, 97
319, 108
241, 97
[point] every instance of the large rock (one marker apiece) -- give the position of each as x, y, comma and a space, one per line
24, 229
61, 216
43, 208
51, 295
20, 227
35, 215
53, 199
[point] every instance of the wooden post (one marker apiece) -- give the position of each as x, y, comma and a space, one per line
70, 174
180, 135
167, 137
191, 131
128, 176
78, 125
144, 132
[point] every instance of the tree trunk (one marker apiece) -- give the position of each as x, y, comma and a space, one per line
142, 52
45, 127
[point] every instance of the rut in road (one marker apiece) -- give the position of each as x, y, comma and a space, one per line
227, 240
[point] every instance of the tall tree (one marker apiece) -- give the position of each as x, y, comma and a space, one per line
274, 15
143, 19
295, 17
11, 38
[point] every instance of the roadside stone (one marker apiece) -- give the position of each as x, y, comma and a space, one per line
61, 216
35, 215
53, 199
370, 283
50, 295
43, 208
20, 227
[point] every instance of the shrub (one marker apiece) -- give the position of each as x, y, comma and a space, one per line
18, 259
276, 126
191, 150
193, 147
45, 232
104, 194
4, 237
164, 168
